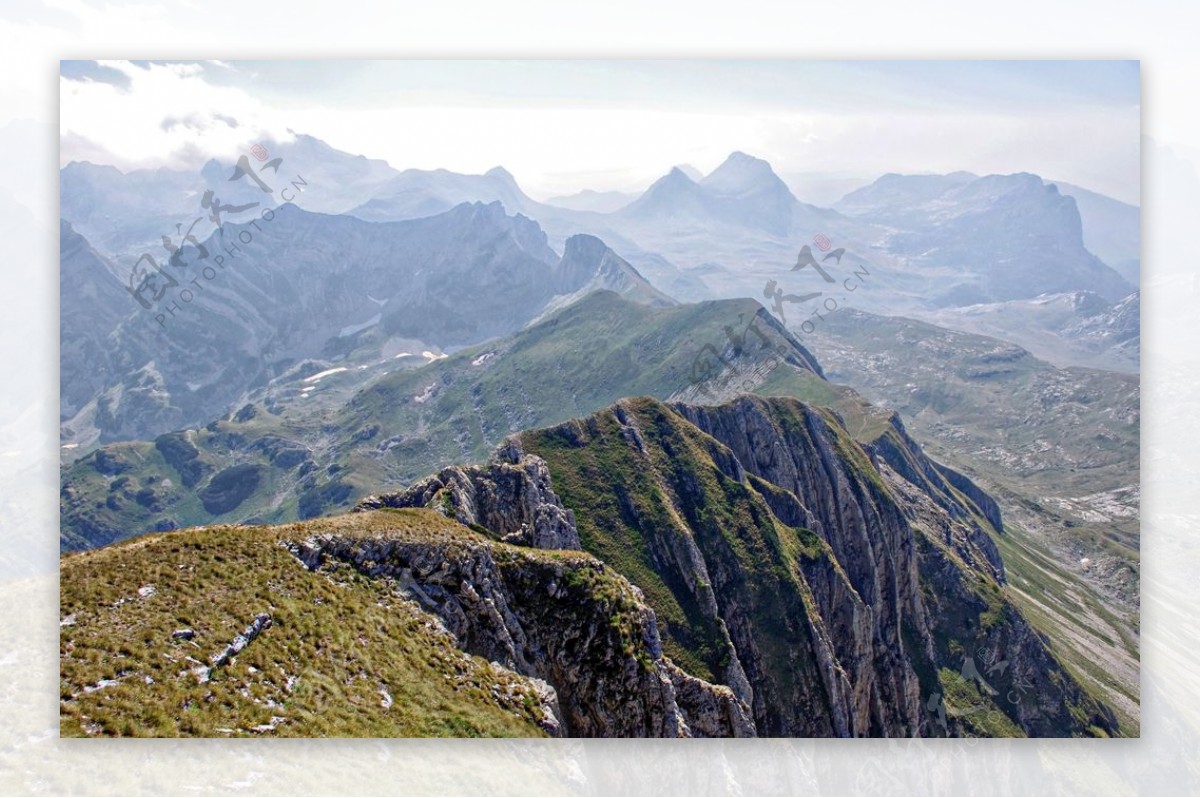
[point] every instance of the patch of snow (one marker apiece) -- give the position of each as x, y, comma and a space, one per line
425, 395
100, 685
485, 357
321, 374
430, 356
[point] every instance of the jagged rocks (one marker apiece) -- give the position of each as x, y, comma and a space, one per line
565, 620
510, 497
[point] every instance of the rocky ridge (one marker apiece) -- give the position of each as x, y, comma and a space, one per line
830, 591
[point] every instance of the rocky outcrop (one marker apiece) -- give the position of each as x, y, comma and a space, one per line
510, 498
962, 499
566, 620
831, 591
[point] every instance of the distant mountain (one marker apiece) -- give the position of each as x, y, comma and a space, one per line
743, 191
928, 242
895, 198
673, 196
124, 214
992, 238
414, 193
589, 265
312, 441
418, 193
92, 306
594, 201
304, 286
1111, 229
1075, 329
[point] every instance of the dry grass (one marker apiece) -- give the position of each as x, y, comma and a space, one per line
337, 642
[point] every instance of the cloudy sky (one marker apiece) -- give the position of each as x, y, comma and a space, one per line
561, 126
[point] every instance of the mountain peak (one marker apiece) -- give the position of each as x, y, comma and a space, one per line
742, 174
677, 174
583, 245
500, 173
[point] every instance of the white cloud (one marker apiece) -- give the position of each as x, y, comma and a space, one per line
168, 115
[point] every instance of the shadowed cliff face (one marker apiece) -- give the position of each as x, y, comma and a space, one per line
836, 591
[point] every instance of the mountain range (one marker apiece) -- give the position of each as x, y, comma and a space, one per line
974, 239
269, 296
413, 453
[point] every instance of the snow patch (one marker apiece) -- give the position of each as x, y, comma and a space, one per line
321, 374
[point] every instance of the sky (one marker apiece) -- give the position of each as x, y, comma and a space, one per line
563, 126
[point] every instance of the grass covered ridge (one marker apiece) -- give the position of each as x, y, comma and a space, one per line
344, 655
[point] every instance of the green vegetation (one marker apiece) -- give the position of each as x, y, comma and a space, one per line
344, 655
230, 487
319, 455
977, 711
644, 490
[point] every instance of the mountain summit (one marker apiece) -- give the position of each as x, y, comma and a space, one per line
743, 175
743, 192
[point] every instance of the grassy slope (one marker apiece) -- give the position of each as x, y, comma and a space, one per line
337, 639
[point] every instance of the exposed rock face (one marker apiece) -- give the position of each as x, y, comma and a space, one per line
962, 499
832, 593
567, 621
510, 498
